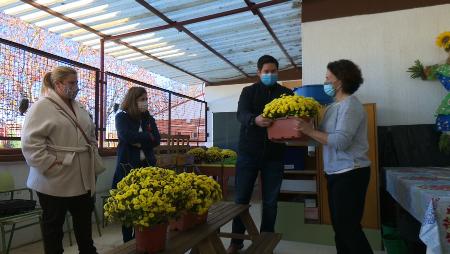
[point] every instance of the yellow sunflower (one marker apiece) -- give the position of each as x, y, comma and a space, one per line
443, 40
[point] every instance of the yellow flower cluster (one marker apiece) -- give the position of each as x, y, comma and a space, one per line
228, 153
443, 40
213, 154
291, 105
150, 196
202, 193
198, 153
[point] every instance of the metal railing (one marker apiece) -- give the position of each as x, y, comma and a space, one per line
21, 73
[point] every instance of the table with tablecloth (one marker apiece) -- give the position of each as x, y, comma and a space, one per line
425, 193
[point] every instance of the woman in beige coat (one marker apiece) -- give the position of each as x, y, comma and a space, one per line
60, 162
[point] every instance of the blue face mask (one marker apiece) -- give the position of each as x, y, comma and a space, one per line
329, 89
269, 79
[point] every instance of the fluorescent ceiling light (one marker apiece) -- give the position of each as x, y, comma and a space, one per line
122, 52
83, 21
26, 7
60, 8
173, 55
73, 15
139, 37
109, 31
139, 58
168, 52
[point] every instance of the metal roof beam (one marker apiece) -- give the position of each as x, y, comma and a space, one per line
196, 20
283, 75
92, 30
256, 11
193, 36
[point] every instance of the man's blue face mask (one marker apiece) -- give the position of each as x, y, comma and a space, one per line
269, 79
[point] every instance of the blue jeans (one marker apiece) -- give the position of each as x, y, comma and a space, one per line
247, 168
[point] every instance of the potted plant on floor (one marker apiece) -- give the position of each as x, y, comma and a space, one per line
285, 111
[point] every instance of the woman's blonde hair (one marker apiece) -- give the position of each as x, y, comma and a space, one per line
57, 74
129, 103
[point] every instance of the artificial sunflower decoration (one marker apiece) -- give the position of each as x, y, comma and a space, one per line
443, 41
439, 72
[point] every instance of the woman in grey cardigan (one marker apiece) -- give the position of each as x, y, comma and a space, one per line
343, 133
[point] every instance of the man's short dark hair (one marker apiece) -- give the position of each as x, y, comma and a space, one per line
266, 59
347, 72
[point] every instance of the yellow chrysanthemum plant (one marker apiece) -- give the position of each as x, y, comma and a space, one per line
146, 197
291, 105
198, 153
213, 154
285, 111
229, 156
203, 192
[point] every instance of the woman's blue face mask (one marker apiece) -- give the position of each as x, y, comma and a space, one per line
329, 89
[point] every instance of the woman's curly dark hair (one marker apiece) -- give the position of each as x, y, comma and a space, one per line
347, 72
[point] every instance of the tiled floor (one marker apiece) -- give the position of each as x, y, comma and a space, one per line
111, 237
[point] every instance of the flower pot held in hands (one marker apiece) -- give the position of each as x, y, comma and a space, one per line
150, 240
283, 129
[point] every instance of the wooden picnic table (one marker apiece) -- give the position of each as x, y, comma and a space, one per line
205, 238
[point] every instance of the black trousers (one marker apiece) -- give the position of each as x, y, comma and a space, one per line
54, 214
346, 196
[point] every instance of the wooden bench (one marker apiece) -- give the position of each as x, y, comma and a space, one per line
265, 244
203, 238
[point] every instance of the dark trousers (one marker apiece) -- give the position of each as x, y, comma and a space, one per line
346, 196
53, 216
128, 232
247, 169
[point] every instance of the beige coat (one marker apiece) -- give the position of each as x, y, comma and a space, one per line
48, 134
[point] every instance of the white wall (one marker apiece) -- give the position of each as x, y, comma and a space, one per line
221, 99
19, 170
384, 46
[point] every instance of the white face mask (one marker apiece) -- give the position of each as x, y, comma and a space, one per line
142, 106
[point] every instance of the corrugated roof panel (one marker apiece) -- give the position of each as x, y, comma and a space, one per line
241, 38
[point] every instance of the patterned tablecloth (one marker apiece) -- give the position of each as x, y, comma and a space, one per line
425, 194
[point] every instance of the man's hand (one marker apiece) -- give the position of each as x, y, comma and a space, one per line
263, 122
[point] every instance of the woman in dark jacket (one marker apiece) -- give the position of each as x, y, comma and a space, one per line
138, 135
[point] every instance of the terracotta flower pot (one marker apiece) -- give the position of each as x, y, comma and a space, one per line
150, 240
188, 221
284, 129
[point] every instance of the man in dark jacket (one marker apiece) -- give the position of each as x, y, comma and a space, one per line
256, 151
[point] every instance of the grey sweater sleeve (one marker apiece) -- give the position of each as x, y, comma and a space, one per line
350, 115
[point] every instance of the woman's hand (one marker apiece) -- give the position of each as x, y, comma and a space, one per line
305, 127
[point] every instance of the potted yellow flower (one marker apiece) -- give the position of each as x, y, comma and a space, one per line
147, 198
229, 156
213, 155
198, 153
201, 192
284, 111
